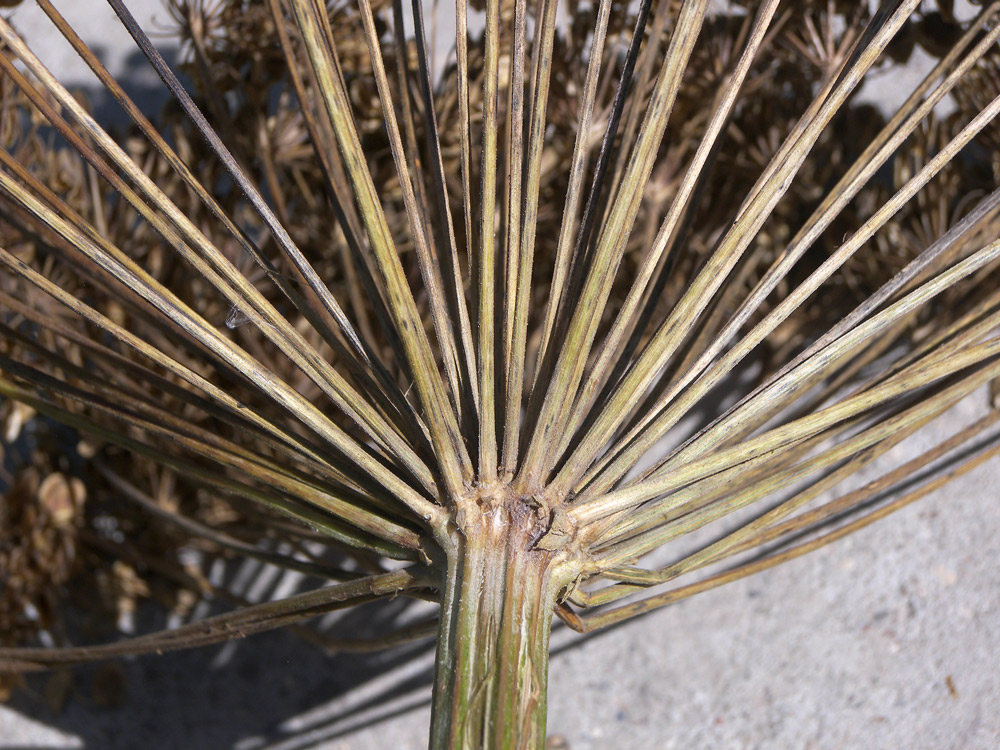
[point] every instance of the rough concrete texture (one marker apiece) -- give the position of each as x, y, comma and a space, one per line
888, 639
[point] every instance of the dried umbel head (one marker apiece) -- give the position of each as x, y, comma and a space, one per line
437, 324
37, 550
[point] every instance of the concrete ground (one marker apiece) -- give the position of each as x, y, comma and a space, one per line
888, 639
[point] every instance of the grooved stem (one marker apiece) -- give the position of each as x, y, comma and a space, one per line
493, 645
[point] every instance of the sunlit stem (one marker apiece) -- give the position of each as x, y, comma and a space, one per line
493, 643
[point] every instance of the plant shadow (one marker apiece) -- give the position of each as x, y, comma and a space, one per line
271, 690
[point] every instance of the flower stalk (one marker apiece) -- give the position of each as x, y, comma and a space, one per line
493, 644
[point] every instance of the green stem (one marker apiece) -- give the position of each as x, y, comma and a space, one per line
493, 644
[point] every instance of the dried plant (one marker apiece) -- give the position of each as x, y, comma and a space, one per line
445, 322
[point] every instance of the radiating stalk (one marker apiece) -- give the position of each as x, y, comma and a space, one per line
487, 251
521, 287
576, 172
668, 229
589, 307
449, 446
220, 628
